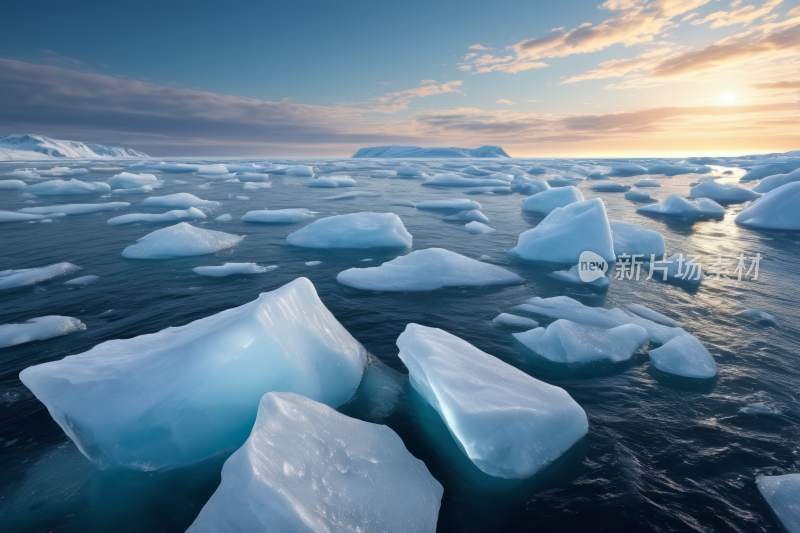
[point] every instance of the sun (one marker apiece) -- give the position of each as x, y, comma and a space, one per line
727, 98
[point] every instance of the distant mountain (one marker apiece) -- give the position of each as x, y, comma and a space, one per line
416, 151
24, 147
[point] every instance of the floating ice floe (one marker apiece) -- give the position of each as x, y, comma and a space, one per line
573, 276
647, 183
566, 233
457, 180
772, 169
169, 168
411, 171
537, 170
509, 424
472, 170
83, 280
12, 184
233, 268
574, 311
780, 493
25, 173
278, 216
13, 216
126, 180
722, 193
427, 270
638, 196
253, 179
627, 170
472, 214
224, 218
72, 187
177, 396
169, 216
609, 186
476, 227
352, 194
759, 315
527, 186
649, 314
564, 341
137, 190
769, 183
506, 319
75, 209
460, 204
212, 170
630, 239
13, 279
313, 263
674, 205
488, 190
777, 209
181, 200
354, 230
546, 201
678, 269
38, 329
332, 182
383, 174
180, 240
62, 172
684, 356
300, 171
306, 467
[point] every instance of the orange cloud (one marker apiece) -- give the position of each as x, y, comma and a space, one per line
746, 14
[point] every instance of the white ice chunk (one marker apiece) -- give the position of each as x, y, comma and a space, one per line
777, 209
332, 182
460, 204
427, 270
573, 276
169, 216
568, 342
567, 232
224, 218
12, 279
233, 268
278, 216
75, 209
475, 171
628, 170
38, 329
514, 320
632, 240
527, 186
11, 184
301, 171
676, 206
137, 190
546, 201
184, 393
719, 192
647, 183
476, 227
760, 315
72, 187
353, 194
25, 173
781, 494
773, 182
509, 424
383, 174
355, 230
609, 186
83, 280
306, 467
313, 263
411, 171
638, 196
180, 240
212, 170
684, 356
181, 200
537, 170
127, 180
472, 214
649, 314
13, 216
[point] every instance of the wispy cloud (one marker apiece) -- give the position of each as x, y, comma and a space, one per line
399, 100
744, 15
620, 67
506, 102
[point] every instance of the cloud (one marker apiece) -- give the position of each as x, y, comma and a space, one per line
785, 84
506, 102
398, 101
746, 14
619, 67
478, 47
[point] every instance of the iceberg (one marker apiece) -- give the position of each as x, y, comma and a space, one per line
721, 193
416, 151
476, 227
223, 218
567, 232
472, 214
12, 184
72, 187
177, 396
460, 204
638, 196
568, 342
13, 216
180, 240
427, 270
411, 171
278, 216
684, 356
674, 205
332, 182
300, 171
306, 467
181, 200
527, 186
780, 493
253, 180
573, 276
456, 180
649, 314
38, 329
769, 183
355, 230
83, 280
38, 146
630, 239
126, 180
74, 209
777, 209
509, 424
609, 186
764, 171
212, 170
546, 201
169, 216
506, 319
232, 268
14, 279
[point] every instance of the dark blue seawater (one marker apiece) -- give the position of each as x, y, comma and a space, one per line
661, 454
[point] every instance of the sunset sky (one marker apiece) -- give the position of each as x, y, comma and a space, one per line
541, 79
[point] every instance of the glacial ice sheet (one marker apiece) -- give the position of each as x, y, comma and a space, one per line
509, 424
782, 494
684, 356
13, 279
548, 200
354, 230
566, 233
181, 200
75, 209
72, 187
722, 193
232, 268
777, 209
180, 240
564, 341
278, 216
169, 216
427, 270
184, 393
38, 329
631, 239
692, 209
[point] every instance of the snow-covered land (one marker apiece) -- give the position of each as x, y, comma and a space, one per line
416, 151
33, 147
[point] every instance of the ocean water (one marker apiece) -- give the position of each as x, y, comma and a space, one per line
661, 454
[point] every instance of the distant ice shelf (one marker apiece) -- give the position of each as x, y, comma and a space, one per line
28, 147
416, 151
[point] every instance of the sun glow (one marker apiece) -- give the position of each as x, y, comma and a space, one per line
728, 98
